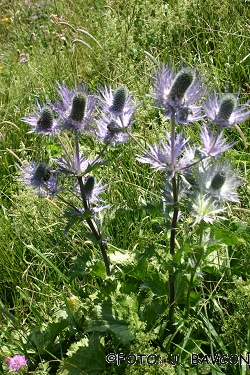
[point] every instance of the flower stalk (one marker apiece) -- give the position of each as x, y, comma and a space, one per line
95, 231
194, 270
174, 224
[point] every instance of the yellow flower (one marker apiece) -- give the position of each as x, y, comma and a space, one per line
1, 68
6, 19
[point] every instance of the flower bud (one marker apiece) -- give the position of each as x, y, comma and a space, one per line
79, 103
227, 106
41, 173
46, 118
89, 185
218, 181
120, 97
181, 83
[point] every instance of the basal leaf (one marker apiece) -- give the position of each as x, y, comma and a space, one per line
115, 314
84, 357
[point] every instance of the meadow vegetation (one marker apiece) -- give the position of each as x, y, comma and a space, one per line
58, 308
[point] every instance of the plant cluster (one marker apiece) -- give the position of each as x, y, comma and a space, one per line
158, 291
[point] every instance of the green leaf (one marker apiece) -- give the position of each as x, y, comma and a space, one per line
114, 315
156, 282
82, 267
84, 357
225, 236
75, 217
44, 340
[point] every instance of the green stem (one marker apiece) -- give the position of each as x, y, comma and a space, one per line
175, 188
64, 149
172, 252
77, 155
194, 271
172, 139
89, 221
93, 228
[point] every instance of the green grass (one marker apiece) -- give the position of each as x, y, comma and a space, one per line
104, 44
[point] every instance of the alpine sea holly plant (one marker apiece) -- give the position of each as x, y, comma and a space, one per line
199, 181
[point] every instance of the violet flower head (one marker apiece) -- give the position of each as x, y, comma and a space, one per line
76, 109
118, 103
218, 181
177, 94
75, 165
116, 115
93, 189
224, 111
160, 156
113, 129
213, 145
43, 121
38, 176
16, 362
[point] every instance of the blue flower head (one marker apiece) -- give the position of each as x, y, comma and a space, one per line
39, 177
178, 93
43, 121
224, 111
76, 108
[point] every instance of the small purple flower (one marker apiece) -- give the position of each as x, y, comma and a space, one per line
178, 94
213, 145
16, 362
222, 110
23, 60
43, 121
76, 109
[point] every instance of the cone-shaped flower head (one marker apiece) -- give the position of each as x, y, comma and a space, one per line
178, 94
40, 173
227, 106
38, 176
78, 106
180, 85
93, 190
46, 118
223, 110
218, 180
43, 121
117, 103
89, 185
76, 109
119, 100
